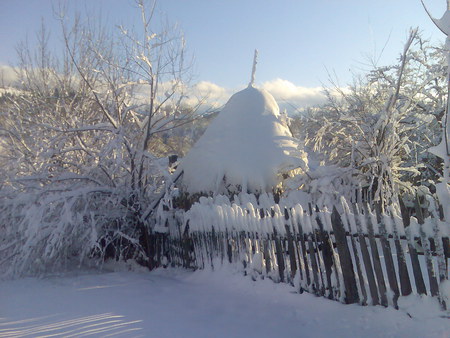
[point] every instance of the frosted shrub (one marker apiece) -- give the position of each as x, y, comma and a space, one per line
52, 230
81, 143
381, 127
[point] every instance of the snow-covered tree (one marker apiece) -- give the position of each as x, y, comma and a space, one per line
379, 128
81, 142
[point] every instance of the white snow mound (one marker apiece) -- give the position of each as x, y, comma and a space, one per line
246, 146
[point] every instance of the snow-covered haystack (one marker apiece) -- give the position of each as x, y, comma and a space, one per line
247, 147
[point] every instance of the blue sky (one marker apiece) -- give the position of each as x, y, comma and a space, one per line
298, 40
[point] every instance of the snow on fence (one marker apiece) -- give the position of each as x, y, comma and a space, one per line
353, 255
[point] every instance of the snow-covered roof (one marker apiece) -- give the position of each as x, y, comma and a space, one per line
247, 145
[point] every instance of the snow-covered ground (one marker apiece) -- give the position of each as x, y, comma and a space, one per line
179, 303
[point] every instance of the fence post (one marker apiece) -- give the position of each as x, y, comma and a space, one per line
351, 290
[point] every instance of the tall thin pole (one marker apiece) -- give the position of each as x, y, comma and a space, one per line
255, 61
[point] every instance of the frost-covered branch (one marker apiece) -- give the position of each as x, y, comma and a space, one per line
383, 124
96, 120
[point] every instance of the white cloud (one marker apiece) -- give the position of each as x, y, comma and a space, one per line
290, 95
214, 95
7, 76
210, 88
210, 94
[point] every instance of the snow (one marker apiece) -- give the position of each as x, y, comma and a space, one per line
443, 188
180, 303
247, 145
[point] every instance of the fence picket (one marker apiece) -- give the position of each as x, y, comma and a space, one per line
351, 290
302, 240
410, 237
366, 256
338, 293
376, 258
266, 242
350, 220
434, 289
279, 254
291, 249
314, 257
405, 283
417, 272
388, 260
326, 253
313, 246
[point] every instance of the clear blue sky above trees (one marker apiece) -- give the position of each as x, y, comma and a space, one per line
298, 40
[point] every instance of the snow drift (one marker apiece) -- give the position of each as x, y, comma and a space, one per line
247, 147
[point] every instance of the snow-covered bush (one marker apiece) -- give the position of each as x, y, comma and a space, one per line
67, 223
381, 127
82, 142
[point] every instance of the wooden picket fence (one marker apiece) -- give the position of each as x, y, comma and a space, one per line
353, 255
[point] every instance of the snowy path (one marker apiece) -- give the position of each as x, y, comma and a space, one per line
173, 303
